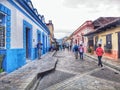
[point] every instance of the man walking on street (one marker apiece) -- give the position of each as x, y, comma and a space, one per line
39, 48
99, 52
75, 49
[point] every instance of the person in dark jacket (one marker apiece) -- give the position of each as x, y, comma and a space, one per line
39, 48
75, 49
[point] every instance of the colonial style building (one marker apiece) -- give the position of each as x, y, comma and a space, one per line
78, 35
21, 28
107, 32
51, 28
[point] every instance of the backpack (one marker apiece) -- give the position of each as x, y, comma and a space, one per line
76, 48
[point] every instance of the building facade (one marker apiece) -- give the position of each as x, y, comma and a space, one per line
108, 34
21, 28
51, 28
78, 35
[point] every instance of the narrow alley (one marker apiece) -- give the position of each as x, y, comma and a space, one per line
76, 74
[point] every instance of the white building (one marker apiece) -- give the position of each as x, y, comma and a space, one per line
21, 27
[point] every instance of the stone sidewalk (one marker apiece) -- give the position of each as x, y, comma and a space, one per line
111, 63
25, 77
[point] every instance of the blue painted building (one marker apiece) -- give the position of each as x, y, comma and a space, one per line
21, 27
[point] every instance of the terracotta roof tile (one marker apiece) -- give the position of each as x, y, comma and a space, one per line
103, 21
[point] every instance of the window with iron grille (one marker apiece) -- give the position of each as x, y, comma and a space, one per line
2, 30
2, 36
109, 41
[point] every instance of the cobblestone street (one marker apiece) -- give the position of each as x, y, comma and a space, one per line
76, 74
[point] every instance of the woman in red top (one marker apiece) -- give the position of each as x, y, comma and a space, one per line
99, 52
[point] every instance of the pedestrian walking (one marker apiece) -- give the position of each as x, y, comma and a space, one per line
99, 52
81, 51
67, 46
63, 47
75, 49
70, 47
39, 48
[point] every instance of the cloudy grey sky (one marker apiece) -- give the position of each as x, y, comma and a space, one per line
68, 15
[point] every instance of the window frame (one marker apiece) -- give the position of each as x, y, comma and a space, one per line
109, 41
4, 26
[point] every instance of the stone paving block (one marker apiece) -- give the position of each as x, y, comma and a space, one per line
3, 74
86, 82
107, 74
23, 86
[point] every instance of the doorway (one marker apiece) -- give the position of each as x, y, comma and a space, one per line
43, 44
39, 37
90, 41
118, 45
27, 42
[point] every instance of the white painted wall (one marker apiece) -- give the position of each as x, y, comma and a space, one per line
17, 18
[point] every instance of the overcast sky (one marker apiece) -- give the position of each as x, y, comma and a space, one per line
68, 15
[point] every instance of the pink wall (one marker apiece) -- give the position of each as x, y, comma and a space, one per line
83, 29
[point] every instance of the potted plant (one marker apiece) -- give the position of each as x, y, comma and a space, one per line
90, 50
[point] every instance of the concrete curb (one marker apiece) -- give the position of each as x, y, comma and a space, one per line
106, 62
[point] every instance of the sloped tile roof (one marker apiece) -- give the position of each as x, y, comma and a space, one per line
101, 21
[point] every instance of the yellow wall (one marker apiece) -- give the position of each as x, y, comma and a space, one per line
114, 37
51, 29
114, 34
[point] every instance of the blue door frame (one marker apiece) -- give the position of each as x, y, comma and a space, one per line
43, 37
38, 36
27, 30
46, 44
